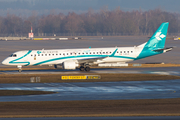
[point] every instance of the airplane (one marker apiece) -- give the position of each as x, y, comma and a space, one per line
86, 57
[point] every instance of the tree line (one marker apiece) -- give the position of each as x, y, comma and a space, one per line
115, 22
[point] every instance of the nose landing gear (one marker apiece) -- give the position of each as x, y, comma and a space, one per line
20, 68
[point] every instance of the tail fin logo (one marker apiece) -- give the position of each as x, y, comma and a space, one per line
159, 36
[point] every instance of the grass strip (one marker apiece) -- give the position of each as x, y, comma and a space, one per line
56, 78
145, 107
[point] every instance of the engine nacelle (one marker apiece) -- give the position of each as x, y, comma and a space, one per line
69, 65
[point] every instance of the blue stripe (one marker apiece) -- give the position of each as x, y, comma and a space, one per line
95, 56
61, 58
14, 61
113, 53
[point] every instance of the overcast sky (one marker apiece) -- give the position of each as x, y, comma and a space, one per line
80, 6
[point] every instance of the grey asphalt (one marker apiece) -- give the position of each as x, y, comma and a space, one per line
150, 70
96, 90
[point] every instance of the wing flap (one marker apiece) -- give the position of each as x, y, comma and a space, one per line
90, 60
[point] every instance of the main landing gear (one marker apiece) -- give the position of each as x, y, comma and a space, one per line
84, 68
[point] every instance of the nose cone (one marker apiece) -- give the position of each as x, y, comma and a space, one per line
5, 62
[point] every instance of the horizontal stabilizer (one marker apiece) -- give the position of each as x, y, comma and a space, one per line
164, 49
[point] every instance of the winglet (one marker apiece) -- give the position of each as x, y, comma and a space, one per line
113, 53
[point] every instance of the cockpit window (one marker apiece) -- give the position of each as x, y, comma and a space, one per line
13, 55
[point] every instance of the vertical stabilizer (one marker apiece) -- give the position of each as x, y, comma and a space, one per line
159, 37
156, 43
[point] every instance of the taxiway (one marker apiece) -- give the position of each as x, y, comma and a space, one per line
149, 70
96, 90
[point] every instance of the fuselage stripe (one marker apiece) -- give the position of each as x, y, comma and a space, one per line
85, 56
14, 61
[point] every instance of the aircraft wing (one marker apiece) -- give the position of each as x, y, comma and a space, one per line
94, 60
90, 60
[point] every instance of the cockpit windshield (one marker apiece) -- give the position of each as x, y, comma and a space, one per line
13, 55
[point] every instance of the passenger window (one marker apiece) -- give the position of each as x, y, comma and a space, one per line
127, 51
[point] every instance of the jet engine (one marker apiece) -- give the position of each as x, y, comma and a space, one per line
69, 65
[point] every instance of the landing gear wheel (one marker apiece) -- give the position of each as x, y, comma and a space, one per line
81, 68
20, 70
87, 69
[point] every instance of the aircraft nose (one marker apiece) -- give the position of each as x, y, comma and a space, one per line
5, 62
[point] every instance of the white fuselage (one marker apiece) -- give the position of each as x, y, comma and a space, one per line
58, 56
